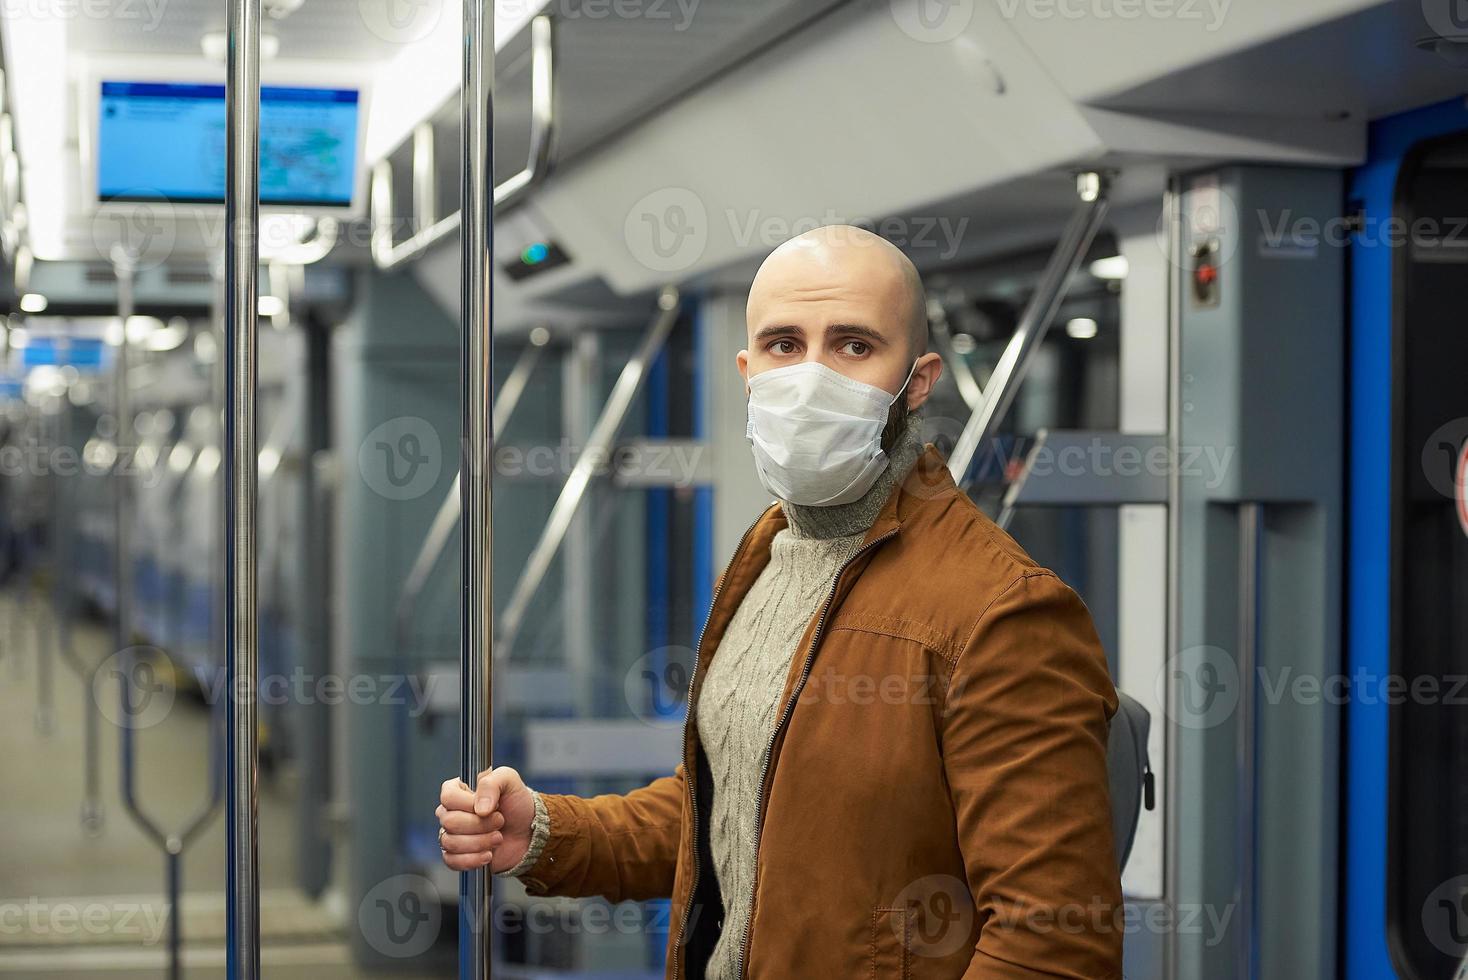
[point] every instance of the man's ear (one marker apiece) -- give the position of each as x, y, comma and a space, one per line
924, 376
741, 360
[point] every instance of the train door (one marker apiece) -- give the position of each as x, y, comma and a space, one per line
1406, 910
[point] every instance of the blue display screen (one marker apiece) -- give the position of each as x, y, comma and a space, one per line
159, 141
82, 353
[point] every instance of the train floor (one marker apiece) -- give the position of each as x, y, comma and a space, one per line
75, 904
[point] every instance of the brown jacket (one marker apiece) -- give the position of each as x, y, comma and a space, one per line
935, 796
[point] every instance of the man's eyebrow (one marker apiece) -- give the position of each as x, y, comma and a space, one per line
778, 330
855, 330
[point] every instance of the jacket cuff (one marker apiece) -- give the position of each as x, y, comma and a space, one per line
560, 853
539, 835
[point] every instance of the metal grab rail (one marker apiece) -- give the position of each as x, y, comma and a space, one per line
172, 844
1246, 738
447, 517
941, 332
385, 254
241, 291
1092, 188
91, 812
476, 339
598, 445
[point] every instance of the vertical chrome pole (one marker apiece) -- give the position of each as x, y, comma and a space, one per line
123, 268
1251, 528
476, 337
241, 222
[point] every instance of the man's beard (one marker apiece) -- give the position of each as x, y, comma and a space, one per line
897, 422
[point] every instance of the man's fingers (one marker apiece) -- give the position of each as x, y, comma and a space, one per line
468, 862
456, 796
469, 843
492, 785
459, 822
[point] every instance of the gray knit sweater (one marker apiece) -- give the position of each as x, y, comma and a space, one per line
740, 700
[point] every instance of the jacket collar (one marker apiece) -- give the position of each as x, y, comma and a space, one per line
928, 480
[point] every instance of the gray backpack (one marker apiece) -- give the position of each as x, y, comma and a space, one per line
1129, 771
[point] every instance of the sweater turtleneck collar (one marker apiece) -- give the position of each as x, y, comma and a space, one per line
856, 517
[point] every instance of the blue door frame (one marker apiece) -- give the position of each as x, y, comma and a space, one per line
1365, 948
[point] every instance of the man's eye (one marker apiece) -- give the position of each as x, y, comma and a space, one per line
856, 348
783, 347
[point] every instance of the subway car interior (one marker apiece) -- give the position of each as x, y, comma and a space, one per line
369, 413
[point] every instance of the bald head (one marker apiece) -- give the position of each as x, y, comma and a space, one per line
856, 260
848, 299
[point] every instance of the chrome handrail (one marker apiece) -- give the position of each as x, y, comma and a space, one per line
476, 340
430, 553
385, 254
1092, 188
241, 647
598, 447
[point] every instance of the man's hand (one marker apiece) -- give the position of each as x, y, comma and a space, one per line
488, 825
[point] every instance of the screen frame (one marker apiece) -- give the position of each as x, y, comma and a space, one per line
202, 71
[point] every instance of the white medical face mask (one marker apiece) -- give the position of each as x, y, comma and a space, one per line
817, 434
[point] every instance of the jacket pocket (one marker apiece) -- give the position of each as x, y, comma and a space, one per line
891, 942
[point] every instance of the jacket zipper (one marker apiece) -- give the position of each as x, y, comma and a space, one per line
688, 773
810, 657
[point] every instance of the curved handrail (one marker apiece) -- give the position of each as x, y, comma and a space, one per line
430, 553
385, 254
1092, 189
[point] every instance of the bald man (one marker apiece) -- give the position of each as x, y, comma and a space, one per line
895, 751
